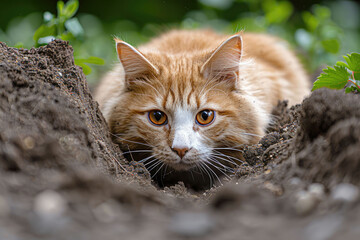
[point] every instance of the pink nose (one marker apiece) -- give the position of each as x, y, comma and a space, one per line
180, 151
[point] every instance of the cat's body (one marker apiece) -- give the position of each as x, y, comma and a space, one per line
188, 97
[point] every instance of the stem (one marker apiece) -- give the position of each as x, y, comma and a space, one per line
354, 83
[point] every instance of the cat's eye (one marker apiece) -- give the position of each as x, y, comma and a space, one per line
205, 117
157, 117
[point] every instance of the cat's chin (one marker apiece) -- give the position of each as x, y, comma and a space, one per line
182, 166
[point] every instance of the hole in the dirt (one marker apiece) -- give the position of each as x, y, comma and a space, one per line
196, 179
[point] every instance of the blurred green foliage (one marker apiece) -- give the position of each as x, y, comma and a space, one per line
320, 31
64, 26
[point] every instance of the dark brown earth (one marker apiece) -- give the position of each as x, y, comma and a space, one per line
61, 177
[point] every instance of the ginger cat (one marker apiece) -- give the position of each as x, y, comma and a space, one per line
183, 102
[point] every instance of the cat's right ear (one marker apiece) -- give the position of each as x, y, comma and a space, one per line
134, 63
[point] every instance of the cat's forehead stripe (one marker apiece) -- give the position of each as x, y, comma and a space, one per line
185, 96
188, 97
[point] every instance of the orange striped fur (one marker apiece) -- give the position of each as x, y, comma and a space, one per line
183, 72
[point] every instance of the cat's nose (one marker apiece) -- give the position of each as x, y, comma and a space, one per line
180, 151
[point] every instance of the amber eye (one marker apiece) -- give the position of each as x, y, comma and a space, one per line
157, 117
205, 117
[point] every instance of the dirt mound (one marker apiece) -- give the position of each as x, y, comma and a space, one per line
43, 98
53, 137
62, 177
328, 143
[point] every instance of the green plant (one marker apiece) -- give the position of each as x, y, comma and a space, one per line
320, 37
343, 74
66, 27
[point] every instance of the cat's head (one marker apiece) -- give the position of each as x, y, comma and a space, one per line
186, 109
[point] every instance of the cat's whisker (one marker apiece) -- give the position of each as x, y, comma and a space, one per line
147, 158
158, 169
206, 166
231, 149
226, 160
220, 158
196, 170
225, 168
154, 165
200, 171
201, 165
166, 167
130, 141
192, 175
251, 134
130, 154
230, 145
227, 156
137, 151
217, 169
155, 160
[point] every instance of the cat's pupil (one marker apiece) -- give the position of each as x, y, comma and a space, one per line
205, 115
158, 115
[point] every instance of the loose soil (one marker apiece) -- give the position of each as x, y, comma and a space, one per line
61, 177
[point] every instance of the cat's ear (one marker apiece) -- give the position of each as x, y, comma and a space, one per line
134, 63
223, 64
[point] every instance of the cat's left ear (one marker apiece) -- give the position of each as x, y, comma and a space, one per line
223, 64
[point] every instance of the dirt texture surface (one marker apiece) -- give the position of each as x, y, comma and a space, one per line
61, 177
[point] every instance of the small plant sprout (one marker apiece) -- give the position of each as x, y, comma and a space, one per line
66, 27
342, 75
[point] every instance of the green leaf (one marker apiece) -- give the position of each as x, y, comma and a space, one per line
67, 36
342, 64
44, 31
45, 40
71, 8
334, 78
331, 45
353, 62
357, 75
60, 8
310, 20
73, 25
92, 60
350, 89
321, 12
277, 12
86, 69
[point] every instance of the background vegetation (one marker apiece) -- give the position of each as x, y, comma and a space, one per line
320, 31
